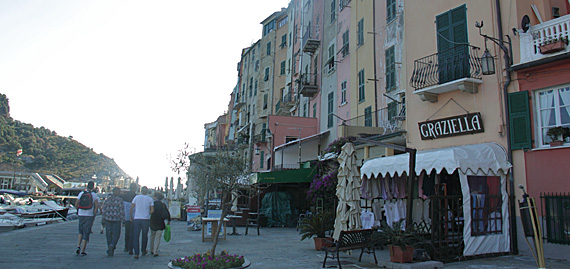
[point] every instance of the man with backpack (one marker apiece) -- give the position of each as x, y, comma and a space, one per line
87, 205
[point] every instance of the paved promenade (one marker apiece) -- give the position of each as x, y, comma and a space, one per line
53, 246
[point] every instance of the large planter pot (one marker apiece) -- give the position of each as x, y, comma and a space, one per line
321, 242
245, 264
401, 256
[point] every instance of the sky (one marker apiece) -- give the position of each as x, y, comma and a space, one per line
134, 80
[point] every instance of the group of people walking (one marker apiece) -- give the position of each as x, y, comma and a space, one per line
138, 213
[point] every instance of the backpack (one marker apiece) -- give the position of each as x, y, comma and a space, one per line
86, 200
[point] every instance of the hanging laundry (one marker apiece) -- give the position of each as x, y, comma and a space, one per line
367, 219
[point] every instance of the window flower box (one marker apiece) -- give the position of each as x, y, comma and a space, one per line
553, 46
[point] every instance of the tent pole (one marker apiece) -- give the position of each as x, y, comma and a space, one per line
411, 172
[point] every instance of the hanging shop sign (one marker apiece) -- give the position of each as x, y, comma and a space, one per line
471, 123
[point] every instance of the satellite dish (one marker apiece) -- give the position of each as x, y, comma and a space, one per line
525, 23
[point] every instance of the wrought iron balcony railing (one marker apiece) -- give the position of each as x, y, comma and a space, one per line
308, 85
461, 61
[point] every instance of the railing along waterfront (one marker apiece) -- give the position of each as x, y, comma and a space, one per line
461, 61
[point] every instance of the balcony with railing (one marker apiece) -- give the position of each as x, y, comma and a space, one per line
458, 68
285, 104
308, 85
308, 43
239, 102
532, 43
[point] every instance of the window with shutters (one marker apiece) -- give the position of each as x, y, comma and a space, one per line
343, 93
330, 61
553, 109
390, 69
368, 116
345, 43
390, 10
452, 41
261, 158
330, 109
314, 110
333, 11
283, 41
360, 32
250, 86
266, 77
255, 88
282, 68
519, 120
268, 48
392, 111
361, 85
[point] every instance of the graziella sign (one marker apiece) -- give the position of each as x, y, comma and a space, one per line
452, 126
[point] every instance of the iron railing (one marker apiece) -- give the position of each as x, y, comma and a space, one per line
462, 61
556, 217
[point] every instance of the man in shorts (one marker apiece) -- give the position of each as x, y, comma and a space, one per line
86, 218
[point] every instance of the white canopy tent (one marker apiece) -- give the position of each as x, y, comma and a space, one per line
487, 159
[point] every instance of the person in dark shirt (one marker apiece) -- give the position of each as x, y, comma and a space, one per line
157, 222
129, 228
113, 214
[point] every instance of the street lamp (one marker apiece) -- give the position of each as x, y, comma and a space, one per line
487, 62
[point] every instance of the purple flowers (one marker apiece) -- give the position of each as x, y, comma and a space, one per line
207, 260
323, 187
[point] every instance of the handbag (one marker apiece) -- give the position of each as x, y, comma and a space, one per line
167, 233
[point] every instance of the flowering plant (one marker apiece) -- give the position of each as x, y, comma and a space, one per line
336, 146
323, 187
207, 260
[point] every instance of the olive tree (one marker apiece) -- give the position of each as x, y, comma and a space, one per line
222, 171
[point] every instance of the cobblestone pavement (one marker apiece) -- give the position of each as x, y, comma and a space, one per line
53, 246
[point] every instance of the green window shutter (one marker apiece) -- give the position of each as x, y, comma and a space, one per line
452, 31
392, 111
261, 159
368, 116
519, 120
390, 69
390, 10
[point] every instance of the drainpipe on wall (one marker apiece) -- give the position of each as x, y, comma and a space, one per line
374, 58
513, 220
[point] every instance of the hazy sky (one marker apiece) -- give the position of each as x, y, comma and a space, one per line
133, 80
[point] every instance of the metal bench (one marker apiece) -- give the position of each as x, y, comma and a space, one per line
349, 240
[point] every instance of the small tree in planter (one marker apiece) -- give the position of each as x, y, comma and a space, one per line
558, 134
316, 226
400, 242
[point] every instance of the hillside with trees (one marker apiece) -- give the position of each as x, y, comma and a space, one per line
46, 152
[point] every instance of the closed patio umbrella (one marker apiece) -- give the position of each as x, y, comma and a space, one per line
348, 192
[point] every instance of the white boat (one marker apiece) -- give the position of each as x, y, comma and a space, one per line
10, 222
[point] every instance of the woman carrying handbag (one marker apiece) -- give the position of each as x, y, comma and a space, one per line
157, 223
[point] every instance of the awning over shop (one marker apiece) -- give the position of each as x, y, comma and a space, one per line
485, 157
286, 176
302, 140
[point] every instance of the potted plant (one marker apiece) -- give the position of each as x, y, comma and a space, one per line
400, 241
557, 135
553, 45
316, 226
